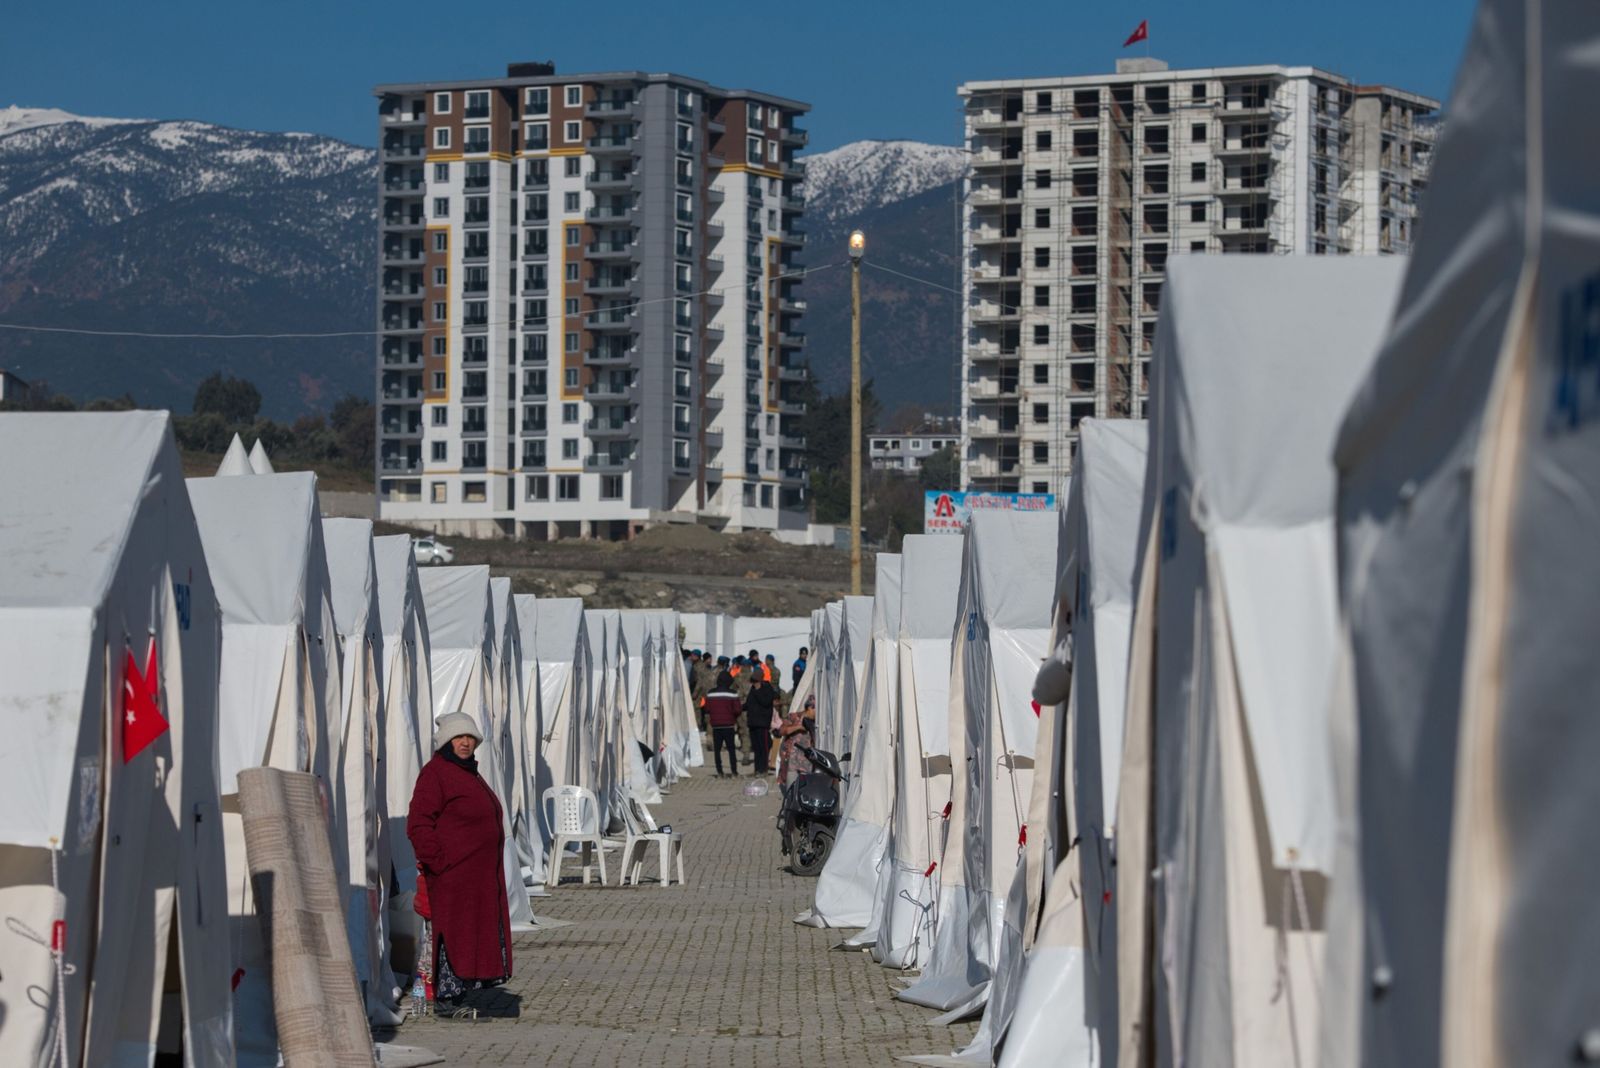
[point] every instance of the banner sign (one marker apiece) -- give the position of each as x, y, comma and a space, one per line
947, 513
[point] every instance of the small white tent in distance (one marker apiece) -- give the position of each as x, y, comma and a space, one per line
105, 593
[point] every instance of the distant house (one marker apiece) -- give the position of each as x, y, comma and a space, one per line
906, 452
13, 389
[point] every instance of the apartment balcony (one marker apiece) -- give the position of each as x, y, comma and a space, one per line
990, 430
987, 467
1237, 148
990, 390
987, 311
993, 159
992, 353
793, 136
792, 373
791, 407
609, 180
606, 427
403, 187
792, 203
611, 250
790, 306
601, 391
1224, 186
793, 476
475, 218
396, 325
401, 465
797, 238
791, 341
402, 254
399, 150
611, 145
713, 437
608, 287
793, 169
995, 273
535, 253
714, 333
989, 198
403, 220
402, 119
994, 120
1244, 107
529, 429
402, 428
403, 291
403, 356
603, 109
989, 235
713, 398
476, 429
604, 462
611, 321
714, 264
609, 215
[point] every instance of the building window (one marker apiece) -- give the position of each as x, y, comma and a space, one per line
537, 487
570, 202
441, 346
611, 487
441, 172
680, 452
1041, 413
574, 236
441, 451
1197, 133
441, 242
441, 415
1197, 246
441, 207
441, 137
572, 342
441, 276
440, 311
537, 136
1041, 179
1041, 452
438, 381
1043, 102
441, 103
572, 132
1041, 374
569, 378
567, 487
439, 491
474, 492
1041, 256
574, 96
1041, 333
1197, 172
752, 114
569, 413
1041, 296
1041, 141
1041, 218
537, 100
477, 139
1197, 91
569, 448
1041, 487
766, 496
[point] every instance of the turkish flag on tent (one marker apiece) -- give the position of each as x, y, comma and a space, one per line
1141, 34
142, 721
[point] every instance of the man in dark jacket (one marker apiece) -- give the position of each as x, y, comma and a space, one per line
723, 710
758, 715
799, 669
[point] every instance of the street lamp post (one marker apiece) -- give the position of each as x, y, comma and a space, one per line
858, 245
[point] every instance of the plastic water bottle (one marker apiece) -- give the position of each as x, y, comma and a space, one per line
419, 997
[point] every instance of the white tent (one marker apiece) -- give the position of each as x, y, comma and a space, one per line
352, 574
826, 684
100, 561
236, 461
681, 735
1003, 635
846, 888
1235, 623
908, 886
812, 684
603, 627
463, 662
280, 688
1467, 482
854, 642
530, 727
260, 464
565, 677
407, 719
1061, 1000
510, 709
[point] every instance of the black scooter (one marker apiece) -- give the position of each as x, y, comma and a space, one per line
809, 816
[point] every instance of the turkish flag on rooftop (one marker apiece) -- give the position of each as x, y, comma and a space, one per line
1141, 34
142, 721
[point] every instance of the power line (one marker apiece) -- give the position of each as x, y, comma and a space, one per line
304, 335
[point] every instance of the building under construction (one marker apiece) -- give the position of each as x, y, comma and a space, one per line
1080, 188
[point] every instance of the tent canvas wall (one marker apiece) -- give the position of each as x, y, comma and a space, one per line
562, 651
1467, 482
1064, 1011
783, 637
1002, 632
279, 683
101, 559
352, 574
529, 724
1232, 657
908, 890
848, 882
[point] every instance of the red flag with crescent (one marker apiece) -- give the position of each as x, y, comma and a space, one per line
142, 721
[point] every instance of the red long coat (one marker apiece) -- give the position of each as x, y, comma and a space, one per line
455, 830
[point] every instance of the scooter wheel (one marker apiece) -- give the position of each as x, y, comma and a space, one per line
810, 862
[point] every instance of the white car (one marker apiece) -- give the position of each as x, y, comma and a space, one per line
428, 551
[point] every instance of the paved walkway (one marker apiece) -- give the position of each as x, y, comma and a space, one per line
714, 973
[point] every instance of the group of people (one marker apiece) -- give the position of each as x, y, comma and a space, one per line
742, 701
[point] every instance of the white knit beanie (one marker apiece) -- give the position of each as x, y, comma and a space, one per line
452, 726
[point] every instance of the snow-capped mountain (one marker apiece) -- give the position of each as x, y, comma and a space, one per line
188, 227
864, 175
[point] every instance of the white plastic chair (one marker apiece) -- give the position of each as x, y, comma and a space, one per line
574, 814
641, 832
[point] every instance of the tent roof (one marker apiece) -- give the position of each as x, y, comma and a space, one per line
1264, 335
1110, 485
236, 461
930, 583
61, 536
261, 535
561, 624
396, 571
858, 624
527, 606
1009, 548
460, 615
260, 464
351, 578
886, 596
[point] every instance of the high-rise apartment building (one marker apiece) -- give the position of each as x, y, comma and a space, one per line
1079, 190
588, 308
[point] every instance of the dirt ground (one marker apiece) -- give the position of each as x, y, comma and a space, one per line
689, 568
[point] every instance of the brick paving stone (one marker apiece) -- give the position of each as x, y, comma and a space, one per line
713, 973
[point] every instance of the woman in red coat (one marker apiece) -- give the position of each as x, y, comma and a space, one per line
455, 828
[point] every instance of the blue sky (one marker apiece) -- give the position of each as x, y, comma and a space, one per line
870, 68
